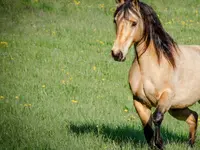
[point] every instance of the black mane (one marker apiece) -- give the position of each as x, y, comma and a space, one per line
153, 30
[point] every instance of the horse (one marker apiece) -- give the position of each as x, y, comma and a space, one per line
163, 75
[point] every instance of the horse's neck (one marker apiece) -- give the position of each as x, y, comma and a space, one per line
149, 63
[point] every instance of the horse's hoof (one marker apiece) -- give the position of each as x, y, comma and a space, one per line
190, 144
154, 148
159, 144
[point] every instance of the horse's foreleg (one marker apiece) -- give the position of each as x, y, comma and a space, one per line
157, 119
146, 118
191, 117
162, 106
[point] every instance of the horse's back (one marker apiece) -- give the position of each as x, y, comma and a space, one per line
190, 47
186, 76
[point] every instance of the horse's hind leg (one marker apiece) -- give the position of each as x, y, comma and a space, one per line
191, 117
146, 118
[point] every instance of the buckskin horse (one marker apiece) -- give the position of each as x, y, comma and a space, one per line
163, 75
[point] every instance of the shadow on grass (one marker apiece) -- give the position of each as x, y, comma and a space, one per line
123, 134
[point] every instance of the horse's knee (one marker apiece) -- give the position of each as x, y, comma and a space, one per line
157, 117
192, 120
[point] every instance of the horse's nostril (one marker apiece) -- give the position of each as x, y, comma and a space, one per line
117, 56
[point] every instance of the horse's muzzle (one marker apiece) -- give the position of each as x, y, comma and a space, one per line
117, 56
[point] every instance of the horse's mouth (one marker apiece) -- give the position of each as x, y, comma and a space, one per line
122, 60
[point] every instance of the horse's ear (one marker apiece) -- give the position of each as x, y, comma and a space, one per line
119, 2
136, 3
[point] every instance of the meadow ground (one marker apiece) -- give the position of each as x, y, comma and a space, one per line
59, 86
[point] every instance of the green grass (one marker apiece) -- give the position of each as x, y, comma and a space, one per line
58, 52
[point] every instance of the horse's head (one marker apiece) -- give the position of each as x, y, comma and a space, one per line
129, 27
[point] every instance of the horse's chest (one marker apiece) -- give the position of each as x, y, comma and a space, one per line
143, 87
146, 93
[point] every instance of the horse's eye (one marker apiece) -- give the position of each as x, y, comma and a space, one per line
134, 24
114, 21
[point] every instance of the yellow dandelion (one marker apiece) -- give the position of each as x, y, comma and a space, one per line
169, 22
191, 21
112, 10
4, 44
77, 2
132, 117
94, 68
198, 119
2, 97
125, 110
16, 97
74, 101
63, 81
183, 22
67, 73
36, 1
27, 105
53, 33
43, 86
100, 42
103, 79
70, 78
101, 6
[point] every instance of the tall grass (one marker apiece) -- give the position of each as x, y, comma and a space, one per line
59, 86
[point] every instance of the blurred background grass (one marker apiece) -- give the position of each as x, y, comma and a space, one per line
59, 86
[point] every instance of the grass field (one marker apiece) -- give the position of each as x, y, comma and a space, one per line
59, 86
